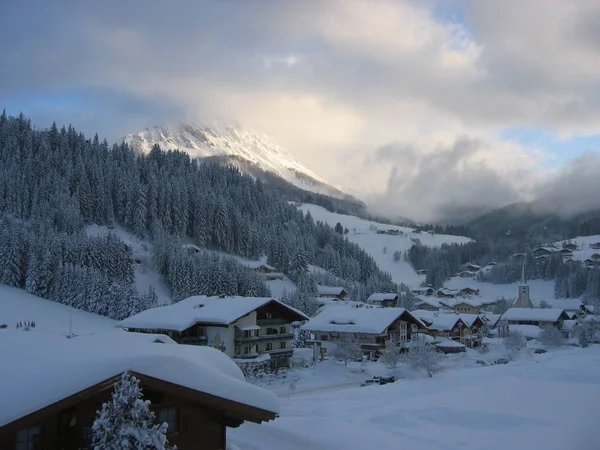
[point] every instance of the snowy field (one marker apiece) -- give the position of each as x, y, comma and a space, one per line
360, 232
50, 317
546, 402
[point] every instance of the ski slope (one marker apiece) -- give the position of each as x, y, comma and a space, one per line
363, 232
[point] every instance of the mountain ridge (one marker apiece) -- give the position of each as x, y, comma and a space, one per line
232, 143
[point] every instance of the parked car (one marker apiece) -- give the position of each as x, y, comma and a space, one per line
540, 351
378, 380
502, 361
481, 362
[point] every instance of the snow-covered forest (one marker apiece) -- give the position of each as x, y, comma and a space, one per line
54, 182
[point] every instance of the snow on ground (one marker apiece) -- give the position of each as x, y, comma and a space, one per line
145, 274
539, 289
361, 233
544, 401
50, 317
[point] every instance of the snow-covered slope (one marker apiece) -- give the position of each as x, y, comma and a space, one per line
584, 250
50, 317
145, 274
364, 233
235, 143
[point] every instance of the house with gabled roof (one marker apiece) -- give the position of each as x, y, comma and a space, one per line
595, 245
443, 324
331, 292
243, 328
50, 397
541, 317
428, 304
385, 299
371, 326
427, 291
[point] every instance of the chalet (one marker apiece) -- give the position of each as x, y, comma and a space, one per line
475, 326
443, 325
447, 293
595, 256
541, 317
566, 253
467, 307
198, 392
428, 304
428, 291
387, 300
243, 328
331, 292
466, 274
191, 249
595, 245
267, 272
468, 291
544, 251
569, 246
491, 320
422, 272
591, 262
370, 326
471, 267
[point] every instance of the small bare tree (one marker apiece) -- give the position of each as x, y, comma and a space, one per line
348, 348
423, 356
392, 356
514, 343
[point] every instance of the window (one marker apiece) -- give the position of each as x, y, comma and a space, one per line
171, 417
246, 350
29, 439
271, 330
238, 350
269, 346
281, 345
281, 330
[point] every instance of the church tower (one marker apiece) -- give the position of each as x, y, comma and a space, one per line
523, 300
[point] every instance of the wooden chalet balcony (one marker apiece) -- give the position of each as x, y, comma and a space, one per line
270, 322
193, 340
275, 337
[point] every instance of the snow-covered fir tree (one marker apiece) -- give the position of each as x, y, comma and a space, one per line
126, 422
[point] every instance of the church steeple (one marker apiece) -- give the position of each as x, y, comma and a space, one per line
523, 300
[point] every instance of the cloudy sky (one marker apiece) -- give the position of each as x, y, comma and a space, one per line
420, 107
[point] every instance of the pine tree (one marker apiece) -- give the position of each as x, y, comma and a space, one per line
126, 421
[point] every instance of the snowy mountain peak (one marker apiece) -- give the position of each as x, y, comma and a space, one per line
233, 142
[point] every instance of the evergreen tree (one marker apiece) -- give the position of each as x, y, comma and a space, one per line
126, 421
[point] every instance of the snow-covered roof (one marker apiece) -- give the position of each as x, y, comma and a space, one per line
257, 265
198, 309
428, 301
469, 319
422, 289
382, 296
491, 319
529, 331
535, 314
439, 320
450, 344
568, 304
329, 290
349, 319
40, 369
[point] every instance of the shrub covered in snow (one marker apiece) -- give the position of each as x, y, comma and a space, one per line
126, 422
551, 337
347, 349
514, 343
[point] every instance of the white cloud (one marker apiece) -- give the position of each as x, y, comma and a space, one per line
382, 97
